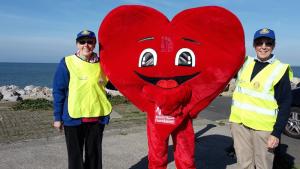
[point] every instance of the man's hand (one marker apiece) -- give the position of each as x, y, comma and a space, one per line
58, 125
272, 142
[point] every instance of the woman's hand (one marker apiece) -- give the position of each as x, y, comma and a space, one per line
58, 125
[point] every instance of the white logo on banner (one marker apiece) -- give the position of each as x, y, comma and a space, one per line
163, 119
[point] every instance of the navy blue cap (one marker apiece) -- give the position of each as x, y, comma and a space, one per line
264, 32
86, 33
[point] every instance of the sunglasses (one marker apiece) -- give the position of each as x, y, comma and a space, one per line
82, 42
260, 43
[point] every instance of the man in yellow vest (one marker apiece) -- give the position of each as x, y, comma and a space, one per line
80, 104
261, 104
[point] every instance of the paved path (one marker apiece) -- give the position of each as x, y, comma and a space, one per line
122, 149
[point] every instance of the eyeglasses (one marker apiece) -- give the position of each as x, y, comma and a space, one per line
82, 42
260, 43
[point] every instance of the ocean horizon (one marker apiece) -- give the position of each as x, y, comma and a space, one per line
41, 74
25, 74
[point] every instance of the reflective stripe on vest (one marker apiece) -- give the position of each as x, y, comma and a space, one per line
86, 97
268, 84
254, 108
256, 94
253, 103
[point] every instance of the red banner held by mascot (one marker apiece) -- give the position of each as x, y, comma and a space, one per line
171, 69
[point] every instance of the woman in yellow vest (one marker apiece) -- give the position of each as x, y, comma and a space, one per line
80, 104
261, 103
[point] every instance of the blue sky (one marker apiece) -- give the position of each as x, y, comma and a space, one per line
42, 31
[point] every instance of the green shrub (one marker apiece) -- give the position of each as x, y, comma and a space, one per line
36, 104
43, 104
114, 100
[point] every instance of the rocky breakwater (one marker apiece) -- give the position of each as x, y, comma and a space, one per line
14, 93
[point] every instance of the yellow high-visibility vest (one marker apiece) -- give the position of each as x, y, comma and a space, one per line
254, 104
87, 98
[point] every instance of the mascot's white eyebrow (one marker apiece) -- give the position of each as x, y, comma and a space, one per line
146, 38
191, 40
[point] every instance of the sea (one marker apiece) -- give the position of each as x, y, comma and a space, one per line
25, 74
41, 74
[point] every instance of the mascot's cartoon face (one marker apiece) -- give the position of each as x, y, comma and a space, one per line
194, 54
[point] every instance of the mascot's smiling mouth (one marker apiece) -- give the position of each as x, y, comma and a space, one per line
167, 82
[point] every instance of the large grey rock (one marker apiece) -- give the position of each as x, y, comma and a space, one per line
13, 93
113, 92
21, 92
34, 92
11, 98
8, 88
30, 87
295, 82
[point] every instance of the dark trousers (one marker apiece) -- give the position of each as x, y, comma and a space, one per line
88, 136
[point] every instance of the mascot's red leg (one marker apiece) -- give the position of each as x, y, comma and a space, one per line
157, 148
184, 145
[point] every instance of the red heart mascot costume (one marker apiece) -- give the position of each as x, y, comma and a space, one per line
171, 69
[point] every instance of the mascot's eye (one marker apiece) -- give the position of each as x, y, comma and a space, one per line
148, 57
185, 57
